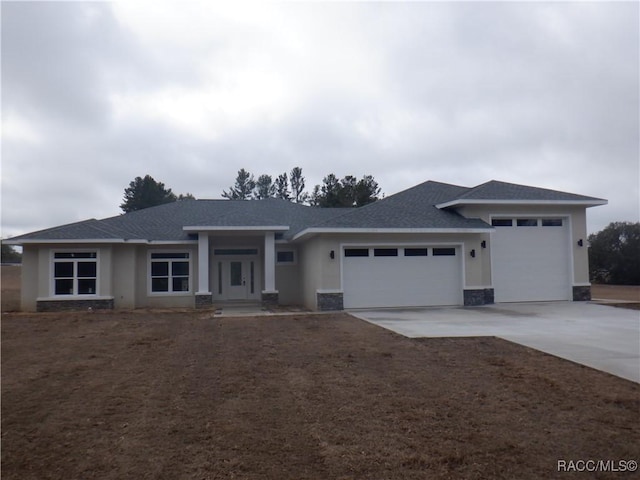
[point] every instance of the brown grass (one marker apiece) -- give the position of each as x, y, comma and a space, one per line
186, 396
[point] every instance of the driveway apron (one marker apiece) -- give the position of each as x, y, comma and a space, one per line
601, 337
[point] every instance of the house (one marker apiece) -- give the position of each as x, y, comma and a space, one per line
433, 244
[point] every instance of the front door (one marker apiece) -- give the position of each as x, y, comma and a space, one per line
237, 278
237, 287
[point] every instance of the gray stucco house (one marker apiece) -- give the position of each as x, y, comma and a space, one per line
433, 244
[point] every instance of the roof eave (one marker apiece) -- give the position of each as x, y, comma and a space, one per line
583, 203
75, 241
313, 231
245, 229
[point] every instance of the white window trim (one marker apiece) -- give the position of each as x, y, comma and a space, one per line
52, 274
187, 293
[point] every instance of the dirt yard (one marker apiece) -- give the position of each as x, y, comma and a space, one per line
186, 396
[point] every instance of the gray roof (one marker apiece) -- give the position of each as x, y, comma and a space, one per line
417, 207
412, 208
495, 190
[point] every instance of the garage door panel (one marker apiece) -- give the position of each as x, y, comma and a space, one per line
531, 263
402, 281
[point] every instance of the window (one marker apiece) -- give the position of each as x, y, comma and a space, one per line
235, 251
415, 252
285, 256
385, 252
501, 222
170, 272
444, 252
551, 222
75, 273
527, 222
356, 252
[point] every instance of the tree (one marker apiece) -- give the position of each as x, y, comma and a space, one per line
327, 194
366, 191
264, 188
144, 193
346, 192
9, 255
282, 187
186, 196
243, 188
614, 254
297, 185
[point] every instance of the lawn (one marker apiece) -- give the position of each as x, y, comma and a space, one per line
135, 395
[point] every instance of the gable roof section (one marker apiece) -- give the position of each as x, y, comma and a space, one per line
495, 192
412, 209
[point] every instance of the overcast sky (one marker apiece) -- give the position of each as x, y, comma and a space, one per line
96, 94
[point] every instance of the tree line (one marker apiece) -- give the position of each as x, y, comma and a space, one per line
333, 192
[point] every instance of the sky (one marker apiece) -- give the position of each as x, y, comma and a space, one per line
96, 94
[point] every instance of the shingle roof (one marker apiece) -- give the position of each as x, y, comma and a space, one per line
412, 208
495, 190
417, 207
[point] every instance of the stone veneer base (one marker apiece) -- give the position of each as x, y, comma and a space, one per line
582, 293
67, 305
204, 300
270, 299
480, 296
330, 301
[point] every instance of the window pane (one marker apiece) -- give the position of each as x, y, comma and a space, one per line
527, 222
180, 284
415, 252
285, 257
442, 252
63, 269
356, 252
170, 255
502, 222
87, 269
180, 268
236, 273
86, 286
159, 284
235, 251
75, 255
551, 222
385, 252
64, 287
159, 269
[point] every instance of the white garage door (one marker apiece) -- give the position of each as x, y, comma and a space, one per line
401, 276
530, 259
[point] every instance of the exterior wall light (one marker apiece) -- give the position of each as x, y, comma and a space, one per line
483, 244
580, 243
332, 254
473, 253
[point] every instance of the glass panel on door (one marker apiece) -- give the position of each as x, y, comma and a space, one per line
236, 274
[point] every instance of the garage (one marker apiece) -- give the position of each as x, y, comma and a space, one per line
530, 259
403, 276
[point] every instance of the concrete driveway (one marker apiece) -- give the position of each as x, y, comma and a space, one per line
601, 337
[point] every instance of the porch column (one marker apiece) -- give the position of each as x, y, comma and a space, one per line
203, 263
269, 262
269, 294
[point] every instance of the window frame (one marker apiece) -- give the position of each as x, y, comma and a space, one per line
170, 276
294, 257
75, 278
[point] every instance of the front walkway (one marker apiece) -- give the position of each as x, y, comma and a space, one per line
601, 337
